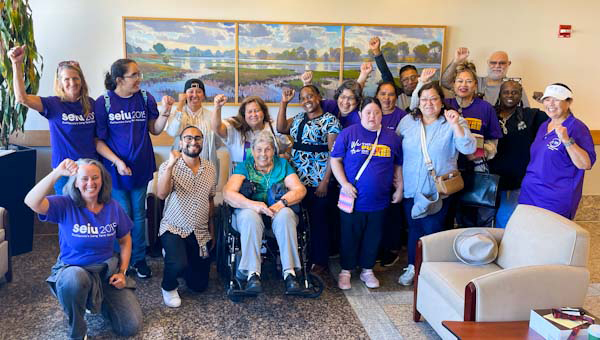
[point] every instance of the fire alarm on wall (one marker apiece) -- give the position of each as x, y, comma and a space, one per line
564, 31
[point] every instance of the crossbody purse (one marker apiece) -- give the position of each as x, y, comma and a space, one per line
345, 201
445, 184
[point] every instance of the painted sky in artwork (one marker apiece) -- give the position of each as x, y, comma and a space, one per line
180, 34
279, 37
358, 36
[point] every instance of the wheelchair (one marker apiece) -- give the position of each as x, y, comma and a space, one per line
229, 254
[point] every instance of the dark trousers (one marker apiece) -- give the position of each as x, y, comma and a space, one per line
420, 227
394, 228
360, 237
182, 257
318, 210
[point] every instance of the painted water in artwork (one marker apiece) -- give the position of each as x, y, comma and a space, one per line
418, 46
169, 52
273, 56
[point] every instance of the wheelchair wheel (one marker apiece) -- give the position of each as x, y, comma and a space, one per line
315, 286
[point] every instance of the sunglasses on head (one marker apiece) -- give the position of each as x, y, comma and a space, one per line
68, 63
517, 79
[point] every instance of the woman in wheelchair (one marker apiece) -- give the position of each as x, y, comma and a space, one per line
254, 212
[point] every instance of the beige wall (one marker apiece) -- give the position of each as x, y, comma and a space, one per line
91, 32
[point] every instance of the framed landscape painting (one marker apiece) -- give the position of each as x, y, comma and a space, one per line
243, 58
170, 51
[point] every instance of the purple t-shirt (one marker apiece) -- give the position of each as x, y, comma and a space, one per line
389, 121
480, 116
71, 133
84, 237
125, 130
552, 181
330, 105
376, 183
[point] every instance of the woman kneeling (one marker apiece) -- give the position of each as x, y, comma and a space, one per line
87, 275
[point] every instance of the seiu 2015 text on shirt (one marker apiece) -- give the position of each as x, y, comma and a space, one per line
89, 230
126, 117
75, 119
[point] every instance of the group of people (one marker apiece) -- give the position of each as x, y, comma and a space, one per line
379, 158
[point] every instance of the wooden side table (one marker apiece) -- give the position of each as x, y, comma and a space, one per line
466, 330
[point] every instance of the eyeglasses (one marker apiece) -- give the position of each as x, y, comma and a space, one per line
431, 99
410, 78
135, 76
348, 98
464, 81
518, 80
498, 63
189, 139
68, 63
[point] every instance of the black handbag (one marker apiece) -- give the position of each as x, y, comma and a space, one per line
481, 189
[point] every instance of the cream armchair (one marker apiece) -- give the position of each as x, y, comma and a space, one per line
541, 263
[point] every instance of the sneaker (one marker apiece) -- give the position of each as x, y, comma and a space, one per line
171, 298
369, 279
344, 280
406, 279
142, 269
253, 286
292, 286
389, 259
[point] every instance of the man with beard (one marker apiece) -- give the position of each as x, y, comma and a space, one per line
187, 183
489, 86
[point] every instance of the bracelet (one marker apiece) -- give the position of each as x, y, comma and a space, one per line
570, 142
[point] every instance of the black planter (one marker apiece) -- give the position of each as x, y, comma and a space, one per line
17, 177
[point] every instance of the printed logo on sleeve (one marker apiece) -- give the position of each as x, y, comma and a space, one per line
90, 231
78, 119
126, 117
474, 123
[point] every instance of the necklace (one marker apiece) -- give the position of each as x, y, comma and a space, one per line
266, 178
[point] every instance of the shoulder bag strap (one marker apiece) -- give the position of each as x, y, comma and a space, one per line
426, 158
373, 147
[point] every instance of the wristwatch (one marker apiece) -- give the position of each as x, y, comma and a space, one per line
284, 201
570, 142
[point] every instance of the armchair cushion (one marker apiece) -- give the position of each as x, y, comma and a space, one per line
536, 236
450, 278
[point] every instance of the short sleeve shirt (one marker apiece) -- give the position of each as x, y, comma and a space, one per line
480, 116
84, 237
281, 169
71, 132
376, 182
125, 130
187, 206
552, 181
310, 166
239, 149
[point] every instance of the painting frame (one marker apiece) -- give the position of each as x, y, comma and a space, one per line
344, 65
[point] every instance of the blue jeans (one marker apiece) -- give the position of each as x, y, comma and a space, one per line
509, 199
58, 186
119, 306
420, 227
134, 203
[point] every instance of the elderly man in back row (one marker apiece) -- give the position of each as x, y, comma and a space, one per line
489, 86
187, 183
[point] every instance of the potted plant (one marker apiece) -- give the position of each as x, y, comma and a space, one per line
17, 163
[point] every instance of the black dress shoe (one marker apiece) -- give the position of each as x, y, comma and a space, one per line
253, 285
292, 286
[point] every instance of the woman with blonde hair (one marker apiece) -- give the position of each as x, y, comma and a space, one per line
70, 112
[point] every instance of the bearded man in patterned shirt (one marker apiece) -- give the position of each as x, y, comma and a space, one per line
187, 183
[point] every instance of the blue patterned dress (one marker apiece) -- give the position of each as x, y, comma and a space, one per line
311, 165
